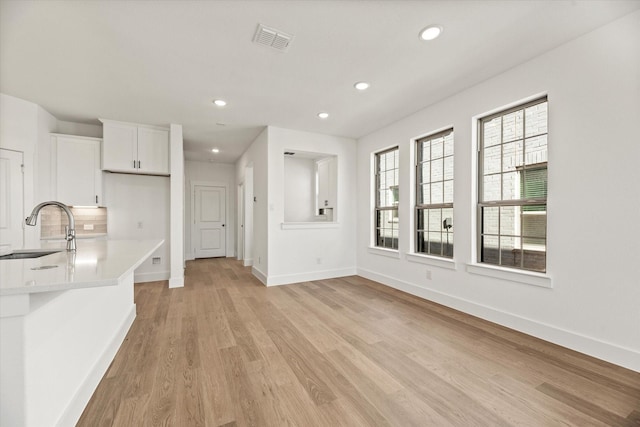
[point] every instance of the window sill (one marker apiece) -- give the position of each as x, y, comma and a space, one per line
526, 277
391, 253
308, 225
448, 263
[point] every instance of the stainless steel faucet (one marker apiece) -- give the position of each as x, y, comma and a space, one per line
69, 230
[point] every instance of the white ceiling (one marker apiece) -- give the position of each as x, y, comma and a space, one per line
161, 62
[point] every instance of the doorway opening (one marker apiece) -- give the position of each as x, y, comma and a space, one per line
209, 217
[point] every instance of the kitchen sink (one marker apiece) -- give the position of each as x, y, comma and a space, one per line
27, 254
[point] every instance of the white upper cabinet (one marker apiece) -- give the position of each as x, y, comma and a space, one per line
75, 170
133, 148
120, 148
153, 151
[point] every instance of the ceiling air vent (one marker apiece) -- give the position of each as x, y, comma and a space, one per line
273, 38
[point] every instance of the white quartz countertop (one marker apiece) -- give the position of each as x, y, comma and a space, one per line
95, 263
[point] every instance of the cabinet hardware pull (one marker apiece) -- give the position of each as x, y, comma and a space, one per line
134, 164
96, 199
138, 164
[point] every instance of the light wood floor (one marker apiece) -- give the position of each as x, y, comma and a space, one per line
227, 351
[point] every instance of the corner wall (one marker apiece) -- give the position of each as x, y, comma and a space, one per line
320, 250
593, 88
25, 127
252, 166
176, 207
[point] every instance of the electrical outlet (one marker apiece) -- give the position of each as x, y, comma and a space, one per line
428, 274
140, 225
156, 260
318, 260
258, 260
87, 227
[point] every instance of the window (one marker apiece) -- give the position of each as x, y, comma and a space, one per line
434, 194
512, 189
386, 211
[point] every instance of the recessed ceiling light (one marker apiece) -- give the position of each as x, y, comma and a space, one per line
362, 85
431, 32
323, 115
220, 102
215, 150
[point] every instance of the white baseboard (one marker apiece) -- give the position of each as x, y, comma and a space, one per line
609, 352
189, 257
150, 277
72, 413
286, 279
247, 262
259, 274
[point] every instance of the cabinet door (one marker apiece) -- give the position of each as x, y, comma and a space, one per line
153, 151
332, 182
327, 170
119, 147
323, 184
78, 178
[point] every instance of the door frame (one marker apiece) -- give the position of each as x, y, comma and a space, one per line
192, 220
240, 223
249, 207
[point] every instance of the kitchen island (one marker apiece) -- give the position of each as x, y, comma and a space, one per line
63, 317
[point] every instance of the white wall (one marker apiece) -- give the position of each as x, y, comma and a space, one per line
319, 250
219, 173
19, 132
593, 87
79, 129
252, 169
46, 124
19, 119
299, 189
135, 199
25, 127
176, 207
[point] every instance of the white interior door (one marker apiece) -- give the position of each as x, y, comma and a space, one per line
209, 221
11, 201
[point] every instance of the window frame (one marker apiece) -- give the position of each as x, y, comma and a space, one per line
419, 183
522, 202
378, 207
